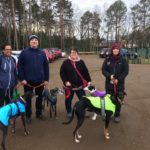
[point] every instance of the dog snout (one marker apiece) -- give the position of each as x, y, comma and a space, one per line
61, 92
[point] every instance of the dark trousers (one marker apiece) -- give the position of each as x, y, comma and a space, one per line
5, 96
38, 103
68, 101
120, 97
118, 108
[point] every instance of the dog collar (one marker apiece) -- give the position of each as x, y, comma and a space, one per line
22, 100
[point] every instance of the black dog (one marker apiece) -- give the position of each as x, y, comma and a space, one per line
50, 96
88, 103
13, 110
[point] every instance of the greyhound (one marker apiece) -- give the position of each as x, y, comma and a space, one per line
50, 96
92, 103
13, 110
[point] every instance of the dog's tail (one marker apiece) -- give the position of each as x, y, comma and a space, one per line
71, 118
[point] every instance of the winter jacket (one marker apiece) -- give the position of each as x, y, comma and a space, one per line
8, 73
11, 110
68, 73
119, 68
33, 66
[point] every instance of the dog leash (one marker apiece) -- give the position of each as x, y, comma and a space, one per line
115, 87
67, 92
35, 87
115, 92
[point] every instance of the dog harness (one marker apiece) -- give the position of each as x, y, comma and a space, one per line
102, 107
95, 101
11, 110
101, 95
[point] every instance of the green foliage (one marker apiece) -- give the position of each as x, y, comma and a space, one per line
53, 21
115, 16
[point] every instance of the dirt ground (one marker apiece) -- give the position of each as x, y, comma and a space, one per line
132, 133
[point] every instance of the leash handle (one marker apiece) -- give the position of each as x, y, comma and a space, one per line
67, 92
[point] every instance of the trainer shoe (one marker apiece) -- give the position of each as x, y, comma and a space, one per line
69, 115
28, 120
117, 119
41, 117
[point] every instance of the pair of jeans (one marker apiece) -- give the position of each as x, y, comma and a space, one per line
68, 100
38, 103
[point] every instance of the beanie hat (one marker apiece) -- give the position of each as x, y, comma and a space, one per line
33, 37
115, 46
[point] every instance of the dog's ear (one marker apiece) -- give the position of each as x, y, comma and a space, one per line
91, 87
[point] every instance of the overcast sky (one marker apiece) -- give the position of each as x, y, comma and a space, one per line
98, 5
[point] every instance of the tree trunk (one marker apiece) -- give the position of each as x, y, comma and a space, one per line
14, 25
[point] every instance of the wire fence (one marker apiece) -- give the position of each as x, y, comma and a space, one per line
143, 56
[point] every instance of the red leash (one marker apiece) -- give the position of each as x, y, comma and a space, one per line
115, 88
34, 87
67, 92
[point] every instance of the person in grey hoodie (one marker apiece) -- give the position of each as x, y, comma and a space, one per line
8, 74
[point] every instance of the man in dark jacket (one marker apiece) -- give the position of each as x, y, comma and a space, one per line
115, 68
33, 72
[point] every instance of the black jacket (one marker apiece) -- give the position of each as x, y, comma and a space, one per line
68, 73
119, 68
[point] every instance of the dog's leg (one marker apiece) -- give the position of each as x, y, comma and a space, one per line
76, 138
106, 134
107, 120
79, 124
14, 125
55, 108
94, 116
50, 110
24, 124
79, 135
5, 131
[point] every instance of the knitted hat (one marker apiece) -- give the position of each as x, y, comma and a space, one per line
115, 46
33, 37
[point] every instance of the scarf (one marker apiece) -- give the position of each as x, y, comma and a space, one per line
78, 59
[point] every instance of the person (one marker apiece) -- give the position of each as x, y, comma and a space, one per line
33, 71
115, 69
72, 81
8, 75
